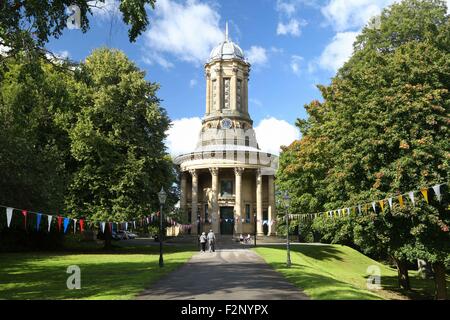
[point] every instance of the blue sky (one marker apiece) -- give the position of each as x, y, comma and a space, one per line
292, 45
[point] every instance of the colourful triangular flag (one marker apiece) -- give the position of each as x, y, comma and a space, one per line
49, 219
66, 224
425, 194
38, 220
75, 225
411, 196
400, 200
437, 191
9, 212
390, 202
25, 213
102, 226
381, 205
82, 225
374, 207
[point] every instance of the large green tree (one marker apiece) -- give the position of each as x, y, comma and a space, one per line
117, 141
382, 128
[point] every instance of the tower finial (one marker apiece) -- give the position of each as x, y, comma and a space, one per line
226, 31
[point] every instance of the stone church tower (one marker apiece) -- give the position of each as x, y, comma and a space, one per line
227, 182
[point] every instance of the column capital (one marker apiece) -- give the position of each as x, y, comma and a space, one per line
193, 173
238, 171
214, 171
258, 172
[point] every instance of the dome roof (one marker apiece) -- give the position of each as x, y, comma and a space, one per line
226, 50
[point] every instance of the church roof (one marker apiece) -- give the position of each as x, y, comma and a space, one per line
227, 50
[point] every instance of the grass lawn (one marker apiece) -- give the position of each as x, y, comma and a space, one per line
339, 272
109, 275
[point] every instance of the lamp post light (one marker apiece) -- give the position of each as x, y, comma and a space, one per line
287, 201
162, 196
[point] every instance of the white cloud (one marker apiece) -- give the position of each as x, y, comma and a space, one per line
183, 135
292, 27
186, 31
272, 133
338, 51
287, 8
295, 64
153, 57
352, 14
257, 55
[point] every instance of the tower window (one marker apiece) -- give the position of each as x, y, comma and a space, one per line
247, 141
226, 93
214, 94
238, 94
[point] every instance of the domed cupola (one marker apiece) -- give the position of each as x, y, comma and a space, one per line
227, 50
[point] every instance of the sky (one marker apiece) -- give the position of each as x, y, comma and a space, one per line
292, 45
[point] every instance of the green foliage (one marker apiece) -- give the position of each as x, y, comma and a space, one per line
86, 143
382, 128
28, 25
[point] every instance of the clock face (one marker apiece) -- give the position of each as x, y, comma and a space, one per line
226, 123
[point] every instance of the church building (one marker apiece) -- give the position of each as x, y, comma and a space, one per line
227, 182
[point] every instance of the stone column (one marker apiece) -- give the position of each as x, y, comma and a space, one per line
238, 200
259, 211
219, 88
215, 200
208, 93
244, 94
183, 206
233, 90
194, 201
272, 209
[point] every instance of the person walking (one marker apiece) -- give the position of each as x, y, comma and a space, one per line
203, 241
211, 241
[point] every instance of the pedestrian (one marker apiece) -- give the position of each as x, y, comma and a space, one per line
211, 241
203, 241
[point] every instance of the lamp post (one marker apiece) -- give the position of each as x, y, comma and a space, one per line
287, 201
162, 196
254, 217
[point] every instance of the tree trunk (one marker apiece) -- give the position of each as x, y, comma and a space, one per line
403, 276
108, 238
439, 280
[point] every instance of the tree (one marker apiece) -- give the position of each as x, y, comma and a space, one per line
383, 128
28, 25
117, 142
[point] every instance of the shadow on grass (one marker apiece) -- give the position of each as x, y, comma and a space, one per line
320, 286
319, 252
44, 276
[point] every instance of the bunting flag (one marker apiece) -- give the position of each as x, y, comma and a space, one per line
102, 226
38, 220
382, 205
359, 209
60, 219
49, 219
110, 227
134, 223
9, 213
66, 224
25, 213
126, 226
348, 211
424, 192
411, 196
390, 202
400, 200
75, 225
82, 225
437, 191
374, 207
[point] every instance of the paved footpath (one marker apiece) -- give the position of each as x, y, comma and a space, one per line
234, 274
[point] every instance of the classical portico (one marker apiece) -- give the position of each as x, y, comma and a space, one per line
227, 180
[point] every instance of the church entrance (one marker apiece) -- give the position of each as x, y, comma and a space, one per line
226, 220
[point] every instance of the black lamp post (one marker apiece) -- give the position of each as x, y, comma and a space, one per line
162, 196
287, 201
254, 216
